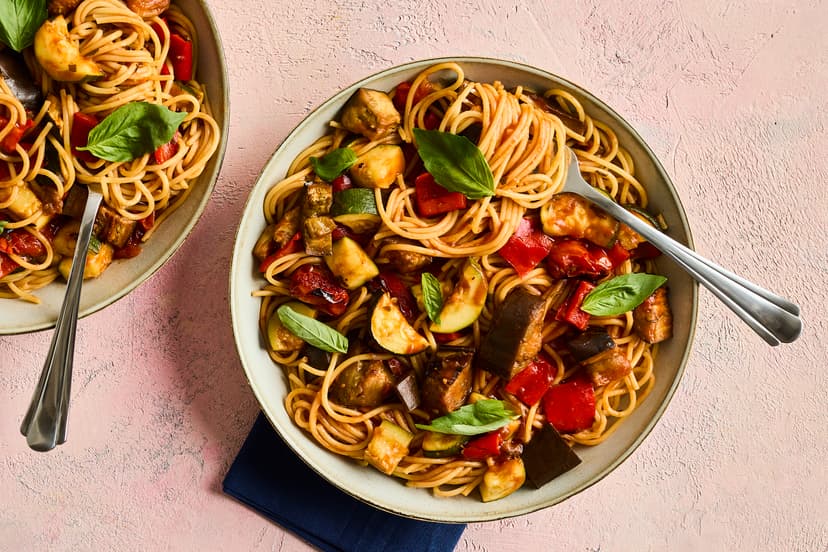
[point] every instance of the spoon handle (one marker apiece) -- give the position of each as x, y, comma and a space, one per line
773, 318
44, 424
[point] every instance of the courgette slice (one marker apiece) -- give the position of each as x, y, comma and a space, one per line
379, 166
388, 445
354, 201
466, 301
360, 223
441, 445
502, 479
353, 265
392, 331
280, 338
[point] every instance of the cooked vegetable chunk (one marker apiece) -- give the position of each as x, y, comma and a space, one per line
591, 342
404, 261
547, 456
608, 366
348, 261
514, 339
317, 225
14, 71
392, 331
148, 8
502, 479
371, 113
112, 227
95, 265
447, 383
408, 391
24, 204
466, 301
388, 445
280, 338
379, 167
653, 319
568, 214
364, 383
59, 56
441, 445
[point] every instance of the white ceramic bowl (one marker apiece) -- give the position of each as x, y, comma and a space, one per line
270, 385
124, 276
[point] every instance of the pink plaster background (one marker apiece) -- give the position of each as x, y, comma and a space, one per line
731, 97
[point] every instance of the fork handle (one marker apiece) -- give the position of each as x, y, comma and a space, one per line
773, 318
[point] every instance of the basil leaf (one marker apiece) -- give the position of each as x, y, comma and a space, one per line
94, 245
19, 21
621, 294
133, 130
455, 163
333, 163
473, 419
432, 295
313, 332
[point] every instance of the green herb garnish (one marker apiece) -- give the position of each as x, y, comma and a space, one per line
432, 296
313, 332
19, 21
3, 224
94, 245
621, 294
473, 419
333, 163
133, 130
455, 163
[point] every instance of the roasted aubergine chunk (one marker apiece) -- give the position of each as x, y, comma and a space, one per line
447, 383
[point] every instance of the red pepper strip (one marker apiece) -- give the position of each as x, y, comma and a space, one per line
22, 243
527, 247
341, 182
432, 199
571, 311
446, 337
82, 125
530, 384
617, 254
483, 447
7, 265
645, 250
165, 152
393, 284
181, 57
570, 406
293, 245
316, 285
10, 140
569, 258
401, 94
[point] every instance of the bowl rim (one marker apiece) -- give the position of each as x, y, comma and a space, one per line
200, 207
673, 197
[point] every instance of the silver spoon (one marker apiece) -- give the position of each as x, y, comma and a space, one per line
774, 318
45, 422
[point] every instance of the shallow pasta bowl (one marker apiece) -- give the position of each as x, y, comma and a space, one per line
124, 276
270, 385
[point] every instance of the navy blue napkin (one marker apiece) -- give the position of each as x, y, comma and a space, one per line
269, 477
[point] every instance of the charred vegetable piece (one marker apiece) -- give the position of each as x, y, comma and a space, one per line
17, 77
95, 265
570, 406
363, 384
350, 263
502, 479
530, 384
287, 227
148, 8
570, 215
591, 342
21, 243
280, 338
547, 456
370, 113
391, 282
59, 56
447, 383
629, 238
378, 167
606, 367
514, 339
356, 208
24, 204
527, 247
392, 331
408, 391
441, 445
570, 311
112, 227
466, 301
315, 285
569, 258
388, 445
318, 235
405, 262
316, 357
653, 319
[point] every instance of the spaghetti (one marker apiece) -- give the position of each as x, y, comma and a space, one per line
523, 138
133, 58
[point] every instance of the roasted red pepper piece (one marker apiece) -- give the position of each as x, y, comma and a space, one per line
432, 199
393, 284
166, 151
82, 125
181, 57
571, 312
527, 247
341, 182
7, 265
10, 140
617, 254
294, 245
569, 258
316, 285
446, 337
645, 250
401, 93
484, 446
21, 243
530, 384
570, 406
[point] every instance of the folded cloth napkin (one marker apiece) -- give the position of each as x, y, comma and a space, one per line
269, 477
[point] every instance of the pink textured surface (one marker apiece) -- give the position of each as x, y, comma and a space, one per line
730, 96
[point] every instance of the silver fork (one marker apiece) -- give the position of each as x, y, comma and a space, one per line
45, 422
774, 318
